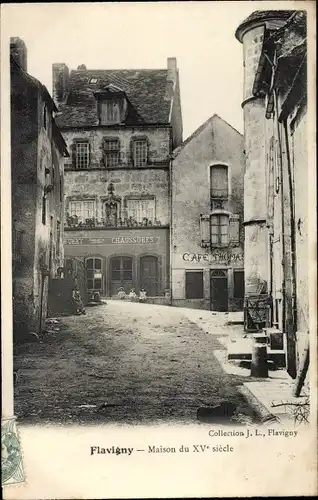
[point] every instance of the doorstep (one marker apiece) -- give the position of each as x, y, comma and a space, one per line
236, 318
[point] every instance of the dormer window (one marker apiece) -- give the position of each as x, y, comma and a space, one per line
92, 80
109, 111
112, 105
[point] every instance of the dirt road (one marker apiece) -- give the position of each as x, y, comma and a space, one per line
122, 362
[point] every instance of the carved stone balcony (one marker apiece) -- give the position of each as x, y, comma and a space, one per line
75, 222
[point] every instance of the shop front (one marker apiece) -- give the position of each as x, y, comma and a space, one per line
114, 259
212, 280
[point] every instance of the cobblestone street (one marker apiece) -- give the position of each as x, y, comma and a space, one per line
124, 362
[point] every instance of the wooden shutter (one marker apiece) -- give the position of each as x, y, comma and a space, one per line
205, 229
235, 229
73, 153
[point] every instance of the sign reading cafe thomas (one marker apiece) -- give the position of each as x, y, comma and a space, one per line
218, 257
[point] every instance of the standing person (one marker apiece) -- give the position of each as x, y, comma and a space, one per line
77, 301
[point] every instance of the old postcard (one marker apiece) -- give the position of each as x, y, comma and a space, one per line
158, 246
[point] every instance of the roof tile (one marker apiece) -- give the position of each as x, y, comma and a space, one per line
146, 91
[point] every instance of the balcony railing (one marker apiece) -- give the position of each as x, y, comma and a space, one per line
77, 222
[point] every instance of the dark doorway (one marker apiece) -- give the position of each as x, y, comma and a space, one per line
239, 288
219, 291
121, 274
94, 275
149, 275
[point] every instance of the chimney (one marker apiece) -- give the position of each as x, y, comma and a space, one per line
60, 74
172, 69
18, 51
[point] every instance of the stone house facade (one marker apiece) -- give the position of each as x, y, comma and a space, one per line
207, 235
37, 149
277, 168
121, 127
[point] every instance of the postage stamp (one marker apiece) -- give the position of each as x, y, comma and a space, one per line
11, 459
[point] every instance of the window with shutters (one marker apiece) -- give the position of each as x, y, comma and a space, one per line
194, 284
111, 149
81, 154
219, 229
219, 184
140, 209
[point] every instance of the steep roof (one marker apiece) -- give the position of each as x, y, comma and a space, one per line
259, 16
149, 93
40, 88
199, 130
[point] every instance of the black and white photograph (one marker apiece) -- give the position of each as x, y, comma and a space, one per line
158, 236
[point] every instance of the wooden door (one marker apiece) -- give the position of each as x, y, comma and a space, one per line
219, 291
121, 274
149, 275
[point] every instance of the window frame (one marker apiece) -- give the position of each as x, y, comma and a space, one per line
108, 151
122, 270
135, 141
224, 194
82, 201
141, 199
77, 143
219, 243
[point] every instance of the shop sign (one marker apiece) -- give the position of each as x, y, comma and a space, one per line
216, 257
116, 240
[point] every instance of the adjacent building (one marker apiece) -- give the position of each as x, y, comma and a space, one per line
276, 180
37, 150
207, 234
121, 127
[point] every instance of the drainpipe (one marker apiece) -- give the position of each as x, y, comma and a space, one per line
280, 155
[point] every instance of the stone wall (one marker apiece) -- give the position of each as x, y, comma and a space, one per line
93, 185
301, 182
216, 141
31, 154
158, 141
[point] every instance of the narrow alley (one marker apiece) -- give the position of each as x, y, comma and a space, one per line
124, 363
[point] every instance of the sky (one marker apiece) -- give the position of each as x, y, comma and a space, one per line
135, 35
